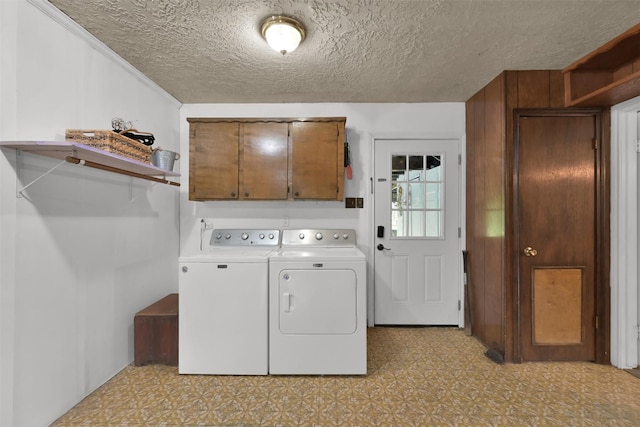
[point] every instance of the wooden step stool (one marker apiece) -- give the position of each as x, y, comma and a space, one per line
155, 331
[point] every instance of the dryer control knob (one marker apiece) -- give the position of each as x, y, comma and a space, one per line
244, 236
345, 236
319, 236
218, 236
227, 236
185, 269
336, 236
301, 236
271, 236
261, 236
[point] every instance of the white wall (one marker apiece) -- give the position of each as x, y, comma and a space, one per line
84, 250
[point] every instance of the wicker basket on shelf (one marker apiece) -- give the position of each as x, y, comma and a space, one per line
112, 142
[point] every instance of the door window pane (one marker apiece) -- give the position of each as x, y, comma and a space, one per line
415, 223
417, 193
434, 167
433, 195
399, 195
398, 168
416, 163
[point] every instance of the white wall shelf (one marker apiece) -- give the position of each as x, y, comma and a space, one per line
73, 152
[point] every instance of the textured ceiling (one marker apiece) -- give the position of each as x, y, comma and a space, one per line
211, 51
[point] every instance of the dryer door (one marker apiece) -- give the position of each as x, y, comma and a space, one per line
317, 302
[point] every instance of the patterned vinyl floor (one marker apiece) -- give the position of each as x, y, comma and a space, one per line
416, 377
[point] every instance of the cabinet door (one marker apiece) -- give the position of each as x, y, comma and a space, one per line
263, 161
213, 161
317, 166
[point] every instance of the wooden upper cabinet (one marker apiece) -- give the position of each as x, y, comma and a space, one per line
607, 76
213, 161
317, 165
266, 159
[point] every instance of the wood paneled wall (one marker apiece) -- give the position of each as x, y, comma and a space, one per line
489, 130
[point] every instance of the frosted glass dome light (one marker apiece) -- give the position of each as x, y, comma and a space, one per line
283, 34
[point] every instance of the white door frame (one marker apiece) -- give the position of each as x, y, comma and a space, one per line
624, 234
461, 141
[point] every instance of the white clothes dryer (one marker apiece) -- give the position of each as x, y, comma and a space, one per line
223, 305
317, 304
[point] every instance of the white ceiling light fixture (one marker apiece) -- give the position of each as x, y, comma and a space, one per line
283, 34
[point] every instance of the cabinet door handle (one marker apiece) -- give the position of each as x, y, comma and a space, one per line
246, 194
296, 194
233, 194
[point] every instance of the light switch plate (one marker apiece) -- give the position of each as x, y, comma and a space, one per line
359, 202
349, 202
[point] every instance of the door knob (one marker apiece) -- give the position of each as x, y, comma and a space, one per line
381, 247
529, 251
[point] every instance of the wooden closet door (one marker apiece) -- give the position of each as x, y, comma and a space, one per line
557, 174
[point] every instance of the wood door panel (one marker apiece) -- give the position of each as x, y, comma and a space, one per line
213, 161
557, 306
556, 185
263, 161
317, 168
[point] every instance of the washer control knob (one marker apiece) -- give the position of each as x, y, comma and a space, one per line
227, 236
185, 269
271, 236
301, 236
261, 236
244, 236
319, 236
336, 236
218, 236
345, 236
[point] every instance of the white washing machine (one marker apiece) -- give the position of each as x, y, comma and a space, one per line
223, 305
317, 304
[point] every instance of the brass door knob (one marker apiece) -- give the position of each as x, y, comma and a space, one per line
529, 251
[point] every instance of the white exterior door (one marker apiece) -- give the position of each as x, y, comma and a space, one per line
417, 243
